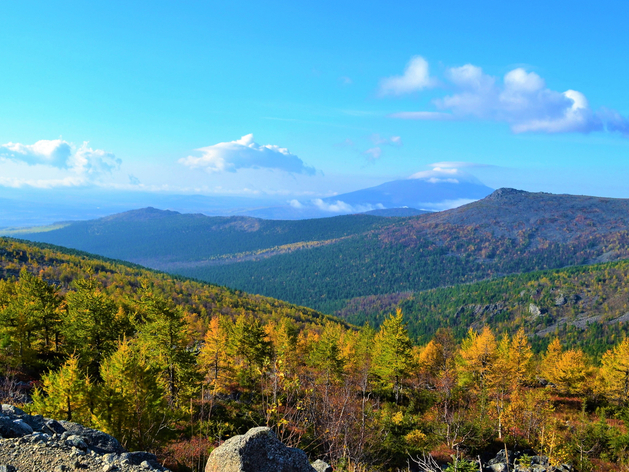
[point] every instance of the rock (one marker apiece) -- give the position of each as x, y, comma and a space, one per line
97, 440
40, 437
258, 450
498, 467
110, 458
137, 458
560, 300
36, 422
12, 410
534, 310
321, 466
12, 428
7, 468
53, 427
76, 441
539, 460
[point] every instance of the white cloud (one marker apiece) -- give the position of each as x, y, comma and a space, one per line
521, 99
62, 164
614, 121
373, 153
392, 141
416, 77
446, 204
445, 172
244, 153
55, 153
340, 206
295, 203
457, 164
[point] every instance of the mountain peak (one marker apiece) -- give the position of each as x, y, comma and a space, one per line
505, 193
142, 214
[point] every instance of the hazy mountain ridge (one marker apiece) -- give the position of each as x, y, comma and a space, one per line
509, 232
160, 238
417, 193
323, 262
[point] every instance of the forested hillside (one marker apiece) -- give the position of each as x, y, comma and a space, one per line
508, 232
322, 263
164, 239
585, 306
176, 367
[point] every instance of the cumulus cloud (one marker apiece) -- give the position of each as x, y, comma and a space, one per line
55, 153
416, 77
446, 172
244, 153
81, 164
340, 206
521, 99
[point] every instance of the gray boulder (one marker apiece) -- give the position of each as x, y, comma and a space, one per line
96, 440
53, 427
13, 428
258, 450
36, 422
321, 466
12, 410
138, 458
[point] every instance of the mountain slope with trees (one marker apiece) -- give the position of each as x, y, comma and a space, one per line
585, 306
175, 367
508, 232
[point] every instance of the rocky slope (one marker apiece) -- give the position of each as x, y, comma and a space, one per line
37, 444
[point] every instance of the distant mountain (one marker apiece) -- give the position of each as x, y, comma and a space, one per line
169, 240
508, 232
323, 263
36, 207
415, 193
427, 194
396, 212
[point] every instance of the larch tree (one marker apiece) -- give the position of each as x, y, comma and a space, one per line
90, 325
215, 358
477, 357
66, 394
133, 397
615, 372
392, 355
163, 334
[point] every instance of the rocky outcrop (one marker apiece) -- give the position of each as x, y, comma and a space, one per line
30, 443
259, 450
520, 461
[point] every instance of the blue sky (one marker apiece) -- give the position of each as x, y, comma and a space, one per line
299, 99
